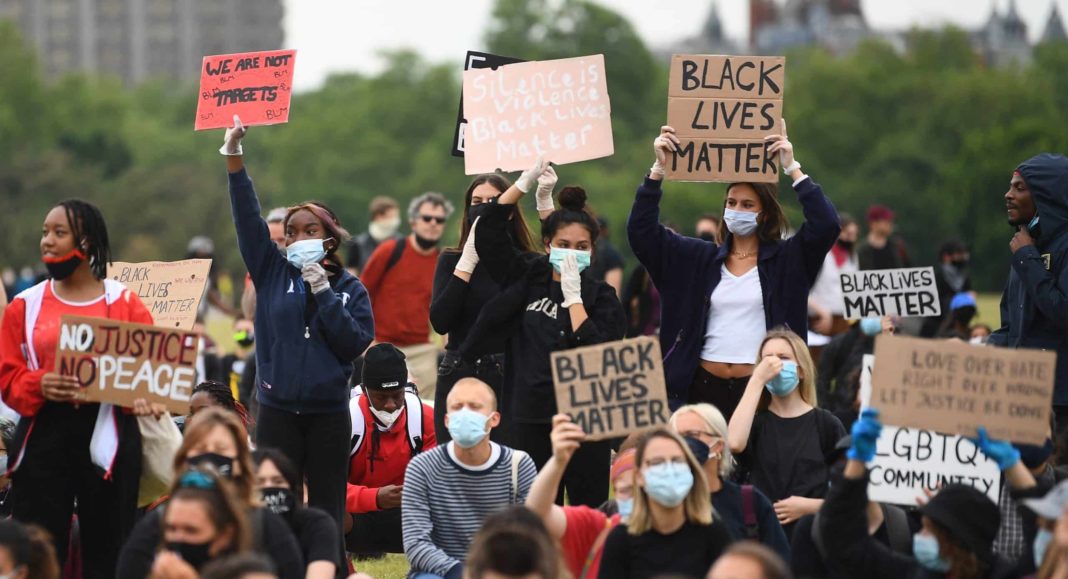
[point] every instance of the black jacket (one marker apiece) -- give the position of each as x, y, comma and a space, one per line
1034, 305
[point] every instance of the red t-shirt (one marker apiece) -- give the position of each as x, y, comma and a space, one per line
584, 525
400, 297
46, 328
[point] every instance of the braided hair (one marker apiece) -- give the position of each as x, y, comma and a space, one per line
224, 397
88, 228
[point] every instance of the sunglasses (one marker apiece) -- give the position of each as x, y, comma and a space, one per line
429, 218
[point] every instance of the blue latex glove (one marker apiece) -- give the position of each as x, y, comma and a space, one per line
865, 434
999, 451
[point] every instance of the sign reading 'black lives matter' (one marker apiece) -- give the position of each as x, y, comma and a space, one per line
890, 292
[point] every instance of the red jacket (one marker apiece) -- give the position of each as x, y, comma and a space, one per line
392, 454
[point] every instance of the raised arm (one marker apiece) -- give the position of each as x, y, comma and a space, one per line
253, 237
566, 437
741, 423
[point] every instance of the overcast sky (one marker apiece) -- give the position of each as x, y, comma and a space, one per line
340, 36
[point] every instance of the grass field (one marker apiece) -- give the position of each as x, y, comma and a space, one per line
392, 567
989, 306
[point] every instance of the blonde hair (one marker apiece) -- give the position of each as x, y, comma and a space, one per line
715, 421
200, 426
698, 503
807, 385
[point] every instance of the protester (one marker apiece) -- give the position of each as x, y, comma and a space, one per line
607, 263
580, 530
952, 278
752, 282
1011, 541
215, 439
840, 363
26, 552
513, 543
204, 520
826, 307
957, 323
706, 227
745, 510
550, 303
749, 560
313, 319
384, 215
641, 302
390, 427
451, 489
73, 456
244, 566
400, 280
461, 288
214, 394
1033, 303
979, 333
671, 529
1048, 549
882, 249
282, 492
780, 434
959, 523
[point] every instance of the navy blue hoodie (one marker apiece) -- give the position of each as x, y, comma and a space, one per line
1034, 306
686, 271
305, 343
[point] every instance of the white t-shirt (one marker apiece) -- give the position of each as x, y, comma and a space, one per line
736, 324
827, 291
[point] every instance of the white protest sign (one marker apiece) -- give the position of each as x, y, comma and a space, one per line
875, 293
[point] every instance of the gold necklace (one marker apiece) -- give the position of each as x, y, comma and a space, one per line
743, 254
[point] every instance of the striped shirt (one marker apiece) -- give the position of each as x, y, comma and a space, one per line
444, 503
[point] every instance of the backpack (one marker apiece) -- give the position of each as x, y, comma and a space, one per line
897, 530
395, 255
415, 421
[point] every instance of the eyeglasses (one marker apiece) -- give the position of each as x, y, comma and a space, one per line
195, 479
434, 218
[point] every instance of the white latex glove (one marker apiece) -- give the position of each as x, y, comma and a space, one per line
570, 282
315, 275
232, 141
546, 184
530, 176
469, 256
782, 145
663, 146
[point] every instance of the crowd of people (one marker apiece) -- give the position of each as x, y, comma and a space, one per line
343, 431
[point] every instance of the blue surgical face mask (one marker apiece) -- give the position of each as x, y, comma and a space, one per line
740, 223
786, 381
925, 549
557, 254
625, 507
467, 427
871, 326
668, 483
1042, 541
301, 253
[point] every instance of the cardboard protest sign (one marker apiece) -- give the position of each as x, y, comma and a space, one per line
474, 60
955, 387
119, 362
255, 86
171, 290
721, 108
556, 109
908, 460
875, 293
612, 389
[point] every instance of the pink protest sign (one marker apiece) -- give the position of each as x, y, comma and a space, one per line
255, 86
558, 109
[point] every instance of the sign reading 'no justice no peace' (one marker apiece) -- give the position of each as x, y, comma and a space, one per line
722, 108
556, 109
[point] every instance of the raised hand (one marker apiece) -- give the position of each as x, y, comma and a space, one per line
570, 282
663, 147
232, 140
469, 257
527, 179
544, 194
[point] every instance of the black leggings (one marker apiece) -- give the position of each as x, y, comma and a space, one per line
489, 369
723, 393
376, 532
318, 445
586, 477
56, 471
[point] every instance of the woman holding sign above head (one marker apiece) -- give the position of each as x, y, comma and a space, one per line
84, 454
778, 433
548, 304
718, 301
313, 319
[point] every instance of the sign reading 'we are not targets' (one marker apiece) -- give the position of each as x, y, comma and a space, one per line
556, 109
255, 86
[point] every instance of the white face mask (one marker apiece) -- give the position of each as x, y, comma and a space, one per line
386, 418
383, 228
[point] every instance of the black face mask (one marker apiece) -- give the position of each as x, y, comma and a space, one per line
707, 236
280, 500
476, 211
196, 554
846, 245
61, 268
425, 243
223, 465
1034, 456
960, 263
